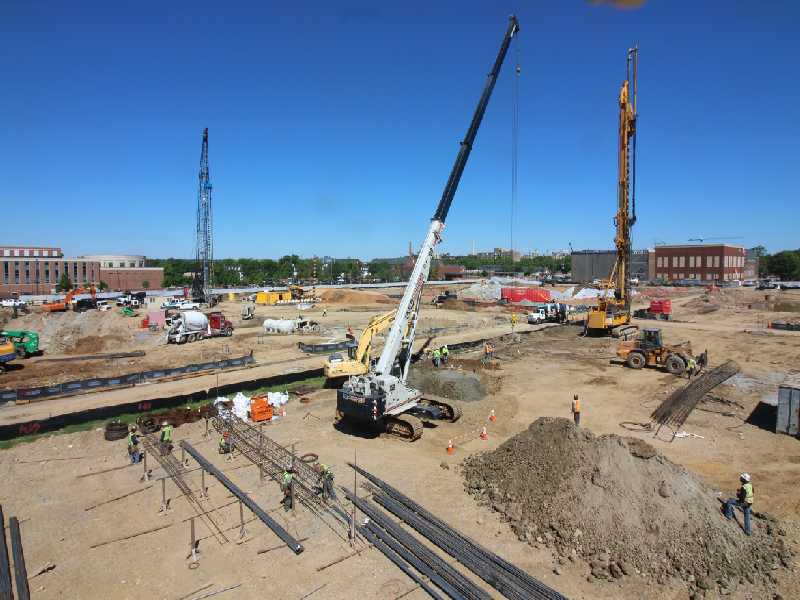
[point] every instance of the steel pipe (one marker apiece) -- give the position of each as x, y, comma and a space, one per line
20, 571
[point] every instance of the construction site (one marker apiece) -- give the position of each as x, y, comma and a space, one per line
470, 439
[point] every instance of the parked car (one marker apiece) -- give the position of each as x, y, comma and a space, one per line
188, 305
103, 305
12, 302
170, 304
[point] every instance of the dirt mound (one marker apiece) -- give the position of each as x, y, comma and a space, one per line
622, 506
448, 383
353, 297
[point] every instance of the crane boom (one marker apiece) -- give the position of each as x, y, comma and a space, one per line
408, 309
381, 396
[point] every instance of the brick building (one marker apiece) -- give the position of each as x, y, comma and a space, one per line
122, 279
703, 262
38, 269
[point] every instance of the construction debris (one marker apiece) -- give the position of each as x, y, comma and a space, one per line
620, 505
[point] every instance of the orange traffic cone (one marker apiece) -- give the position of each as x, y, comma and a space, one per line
450, 449
484, 434
492, 418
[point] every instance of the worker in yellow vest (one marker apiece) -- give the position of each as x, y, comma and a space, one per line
743, 501
576, 410
166, 438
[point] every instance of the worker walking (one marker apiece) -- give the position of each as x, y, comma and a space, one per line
326, 482
513, 321
166, 438
225, 446
445, 353
134, 453
488, 351
324, 312
743, 501
576, 410
287, 482
437, 357
691, 367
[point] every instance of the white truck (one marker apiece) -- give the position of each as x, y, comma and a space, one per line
192, 325
551, 312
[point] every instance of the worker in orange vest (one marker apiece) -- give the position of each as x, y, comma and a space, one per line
576, 410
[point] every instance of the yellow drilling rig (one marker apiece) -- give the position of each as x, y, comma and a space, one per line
612, 315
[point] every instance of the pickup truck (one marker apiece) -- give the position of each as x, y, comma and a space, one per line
187, 305
170, 304
537, 317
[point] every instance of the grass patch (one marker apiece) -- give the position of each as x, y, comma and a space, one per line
312, 382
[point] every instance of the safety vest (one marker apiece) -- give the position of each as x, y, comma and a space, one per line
576, 405
131, 441
287, 478
437, 354
166, 434
748, 492
326, 471
692, 364
222, 442
445, 351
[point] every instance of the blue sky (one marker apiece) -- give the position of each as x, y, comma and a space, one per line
333, 126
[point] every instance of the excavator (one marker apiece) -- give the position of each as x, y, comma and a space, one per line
358, 360
381, 398
62, 305
612, 315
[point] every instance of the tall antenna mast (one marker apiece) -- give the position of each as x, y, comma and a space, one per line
204, 273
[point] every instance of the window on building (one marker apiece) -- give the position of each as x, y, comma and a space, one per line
47, 272
658, 262
16, 252
36, 253
84, 272
6, 252
5, 271
27, 252
27, 272
691, 261
16, 272
74, 272
716, 262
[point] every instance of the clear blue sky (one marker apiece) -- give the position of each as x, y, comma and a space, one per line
333, 125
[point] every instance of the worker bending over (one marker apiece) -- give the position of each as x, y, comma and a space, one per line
743, 501
166, 438
134, 453
691, 367
287, 480
326, 482
576, 410
225, 447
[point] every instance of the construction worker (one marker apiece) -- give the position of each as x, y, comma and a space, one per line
702, 361
445, 353
576, 410
225, 446
134, 452
513, 320
324, 312
437, 357
166, 438
691, 366
350, 335
488, 351
743, 501
326, 482
286, 487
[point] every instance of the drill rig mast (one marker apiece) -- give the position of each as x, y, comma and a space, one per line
381, 397
613, 313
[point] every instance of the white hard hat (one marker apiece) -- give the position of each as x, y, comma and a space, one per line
164, 424
745, 477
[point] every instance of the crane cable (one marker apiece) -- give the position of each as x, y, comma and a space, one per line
514, 141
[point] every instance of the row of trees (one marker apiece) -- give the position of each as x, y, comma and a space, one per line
784, 265
258, 271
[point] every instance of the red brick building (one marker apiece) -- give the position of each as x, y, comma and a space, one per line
36, 270
149, 278
703, 262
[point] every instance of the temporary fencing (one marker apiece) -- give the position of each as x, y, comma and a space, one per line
82, 386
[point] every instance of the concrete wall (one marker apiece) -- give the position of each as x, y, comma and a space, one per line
588, 265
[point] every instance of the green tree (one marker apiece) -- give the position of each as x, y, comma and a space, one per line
785, 264
145, 284
102, 286
64, 284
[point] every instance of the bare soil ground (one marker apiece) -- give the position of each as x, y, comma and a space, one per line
536, 376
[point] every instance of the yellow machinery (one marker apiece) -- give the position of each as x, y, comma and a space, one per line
272, 298
357, 362
613, 313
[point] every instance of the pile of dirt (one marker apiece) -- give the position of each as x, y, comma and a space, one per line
622, 506
447, 383
332, 296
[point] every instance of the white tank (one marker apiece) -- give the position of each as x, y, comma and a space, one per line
280, 326
194, 320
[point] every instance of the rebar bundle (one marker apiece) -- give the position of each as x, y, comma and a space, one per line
674, 411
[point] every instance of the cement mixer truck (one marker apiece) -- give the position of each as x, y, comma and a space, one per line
192, 325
